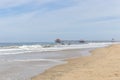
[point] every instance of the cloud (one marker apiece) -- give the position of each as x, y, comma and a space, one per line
29, 6
51, 17
14, 3
63, 12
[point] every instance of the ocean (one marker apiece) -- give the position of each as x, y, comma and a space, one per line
21, 61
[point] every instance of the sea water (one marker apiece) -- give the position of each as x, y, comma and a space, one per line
21, 61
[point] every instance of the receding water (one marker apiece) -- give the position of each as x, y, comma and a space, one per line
25, 66
21, 62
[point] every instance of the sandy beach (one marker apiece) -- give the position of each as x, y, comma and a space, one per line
103, 64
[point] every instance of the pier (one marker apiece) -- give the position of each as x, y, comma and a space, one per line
82, 41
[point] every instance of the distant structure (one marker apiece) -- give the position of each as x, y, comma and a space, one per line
58, 41
113, 40
81, 41
69, 42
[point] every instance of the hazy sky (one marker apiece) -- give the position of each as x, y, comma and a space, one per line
46, 20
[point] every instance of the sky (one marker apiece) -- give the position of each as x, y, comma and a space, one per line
46, 20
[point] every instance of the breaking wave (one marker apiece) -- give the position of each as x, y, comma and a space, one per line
40, 48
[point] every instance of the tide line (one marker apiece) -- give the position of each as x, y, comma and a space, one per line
28, 60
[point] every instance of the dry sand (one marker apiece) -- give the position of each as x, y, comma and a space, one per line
104, 64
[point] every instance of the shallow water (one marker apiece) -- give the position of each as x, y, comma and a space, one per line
24, 66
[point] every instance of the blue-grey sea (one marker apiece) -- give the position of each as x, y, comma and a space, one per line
21, 61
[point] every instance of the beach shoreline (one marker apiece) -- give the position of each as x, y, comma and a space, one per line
25, 66
103, 64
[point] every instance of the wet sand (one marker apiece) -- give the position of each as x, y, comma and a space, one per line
26, 65
103, 64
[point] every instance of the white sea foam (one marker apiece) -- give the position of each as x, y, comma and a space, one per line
24, 66
39, 48
27, 60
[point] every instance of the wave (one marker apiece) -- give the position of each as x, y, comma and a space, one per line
48, 60
41, 48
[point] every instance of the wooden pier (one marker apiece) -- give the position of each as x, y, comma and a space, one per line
82, 41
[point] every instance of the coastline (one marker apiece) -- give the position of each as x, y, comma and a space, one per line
24, 66
102, 64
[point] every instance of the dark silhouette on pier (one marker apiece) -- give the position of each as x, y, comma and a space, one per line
59, 41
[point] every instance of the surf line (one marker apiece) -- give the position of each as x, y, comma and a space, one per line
28, 60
